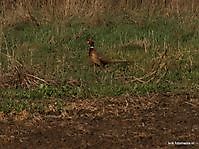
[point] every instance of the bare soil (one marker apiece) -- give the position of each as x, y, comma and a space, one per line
154, 121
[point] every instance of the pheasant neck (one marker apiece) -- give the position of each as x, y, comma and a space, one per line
91, 49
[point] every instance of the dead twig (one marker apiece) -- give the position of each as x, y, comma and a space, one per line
158, 71
37, 78
19, 75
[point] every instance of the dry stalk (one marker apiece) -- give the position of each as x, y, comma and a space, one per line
19, 76
158, 71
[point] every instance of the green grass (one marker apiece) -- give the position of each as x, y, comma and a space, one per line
54, 52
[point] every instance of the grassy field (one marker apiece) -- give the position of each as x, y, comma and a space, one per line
50, 60
51, 96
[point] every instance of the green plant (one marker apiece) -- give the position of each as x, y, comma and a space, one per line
162, 54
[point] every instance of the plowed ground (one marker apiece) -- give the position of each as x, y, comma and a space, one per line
155, 121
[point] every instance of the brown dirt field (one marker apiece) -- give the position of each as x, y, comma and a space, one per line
151, 121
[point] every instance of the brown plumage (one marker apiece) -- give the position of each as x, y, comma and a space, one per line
97, 58
94, 56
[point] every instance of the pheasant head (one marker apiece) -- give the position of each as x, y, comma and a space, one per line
90, 42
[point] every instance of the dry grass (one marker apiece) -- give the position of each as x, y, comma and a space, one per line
40, 11
19, 75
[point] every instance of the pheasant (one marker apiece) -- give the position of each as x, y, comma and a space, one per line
98, 59
94, 56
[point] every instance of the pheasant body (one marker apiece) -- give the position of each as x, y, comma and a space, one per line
95, 57
98, 59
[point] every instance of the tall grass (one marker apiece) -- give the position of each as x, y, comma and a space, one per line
40, 11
